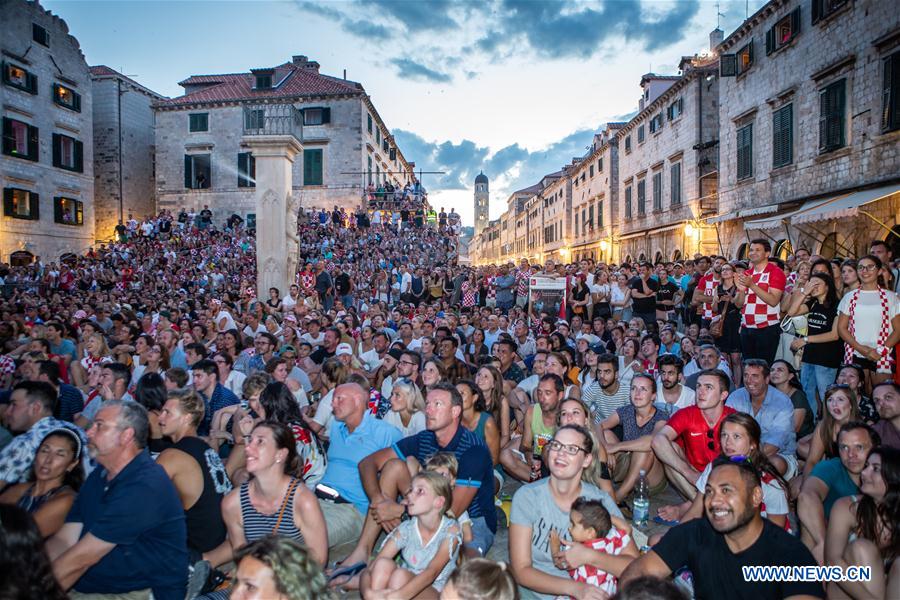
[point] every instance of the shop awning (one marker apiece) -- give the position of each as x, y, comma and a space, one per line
836, 207
746, 212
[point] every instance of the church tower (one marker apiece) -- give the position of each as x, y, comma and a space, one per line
482, 198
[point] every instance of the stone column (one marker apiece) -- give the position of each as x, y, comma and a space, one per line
276, 214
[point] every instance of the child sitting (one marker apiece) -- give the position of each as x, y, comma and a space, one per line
445, 464
428, 543
590, 524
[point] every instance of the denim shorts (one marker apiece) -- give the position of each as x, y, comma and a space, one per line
482, 536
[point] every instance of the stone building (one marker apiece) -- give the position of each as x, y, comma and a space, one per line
556, 212
123, 149
810, 125
482, 202
594, 197
667, 166
46, 165
200, 159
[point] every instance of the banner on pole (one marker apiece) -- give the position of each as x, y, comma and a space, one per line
546, 295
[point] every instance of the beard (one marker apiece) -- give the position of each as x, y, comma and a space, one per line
742, 520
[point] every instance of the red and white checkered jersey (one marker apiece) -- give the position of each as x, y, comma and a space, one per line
613, 544
491, 285
708, 285
522, 276
469, 294
757, 314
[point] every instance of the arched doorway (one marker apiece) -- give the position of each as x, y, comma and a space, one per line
676, 255
21, 258
893, 240
628, 259
783, 249
658, 258
642, 257
743, 251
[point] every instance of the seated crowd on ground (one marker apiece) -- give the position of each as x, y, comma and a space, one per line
168, 433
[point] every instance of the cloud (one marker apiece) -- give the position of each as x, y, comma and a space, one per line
509, 168
416, 15
410, 69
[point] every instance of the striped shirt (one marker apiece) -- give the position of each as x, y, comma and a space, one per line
257, 525
601, 404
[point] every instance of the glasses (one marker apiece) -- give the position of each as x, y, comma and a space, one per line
570, 449
867, 267
407, 362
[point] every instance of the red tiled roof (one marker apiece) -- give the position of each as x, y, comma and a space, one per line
232, 87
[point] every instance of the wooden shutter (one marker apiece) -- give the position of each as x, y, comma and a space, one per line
57, 210
728, 65
782, 136
243, 168
188, 171
393, 154
9, 142
76, 101
34, 206
770, 40
8, 201
31, 82
817, 10
795, 22
33, 143
79, 212
326, 115
79, 156
890, 111
57, 150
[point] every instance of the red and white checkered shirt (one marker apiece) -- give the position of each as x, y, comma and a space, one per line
491, 287
708, 286
613, 544
757, 314
469, 294
522, 276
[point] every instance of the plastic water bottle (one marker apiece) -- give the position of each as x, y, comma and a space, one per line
641, 509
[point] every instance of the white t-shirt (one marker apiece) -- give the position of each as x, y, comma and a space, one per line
324, 415
406, 283
867, 321
416, 422
229, 323
250, 333
370, 359
288, 303
235, 383
685, 399
529, 384
315, 342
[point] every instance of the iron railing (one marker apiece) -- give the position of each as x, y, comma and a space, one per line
273, 119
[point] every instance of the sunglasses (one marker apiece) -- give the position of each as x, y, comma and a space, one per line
710, 436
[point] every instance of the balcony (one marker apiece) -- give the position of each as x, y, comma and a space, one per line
273, 119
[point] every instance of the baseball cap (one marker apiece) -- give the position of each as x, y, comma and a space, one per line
395, 353
343, 349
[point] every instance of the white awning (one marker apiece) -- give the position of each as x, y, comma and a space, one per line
843, 206
745, 212
722, 218
836, 207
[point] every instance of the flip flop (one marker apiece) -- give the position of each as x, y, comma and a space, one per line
666, 522
348, 571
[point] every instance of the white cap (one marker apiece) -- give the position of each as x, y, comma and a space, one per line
343, 349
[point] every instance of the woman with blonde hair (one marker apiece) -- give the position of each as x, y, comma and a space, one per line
334, 373
407, 408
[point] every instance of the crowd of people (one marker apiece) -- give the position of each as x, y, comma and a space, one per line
373, 427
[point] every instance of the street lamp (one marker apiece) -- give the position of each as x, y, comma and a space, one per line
604, 245
689, 230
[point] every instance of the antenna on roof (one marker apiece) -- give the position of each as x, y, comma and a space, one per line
719, 15
345, 74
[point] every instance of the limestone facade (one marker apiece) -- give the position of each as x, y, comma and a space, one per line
124, 149
46, 165
594, 197
346, 144
810, 72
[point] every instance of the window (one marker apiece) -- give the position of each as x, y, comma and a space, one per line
783, 32
312, 167
890, 109
66, 97
576, 224
385, 145
68, 211
246, 170
745, 152
263, 81
657, 191
370, 169
656, 123
600, 165
21, 204
676, 184
832, 105
19, 78
20, 139
40, 35
824, 8
197, 171
254, 118
642, 197
600, 214
369, 123
377, 137
392, 154
641, 134
675, 109
628, 202
783, 136
316, 116
199, 122
735, 64
628, 144
591, 216
591, 170
68, 153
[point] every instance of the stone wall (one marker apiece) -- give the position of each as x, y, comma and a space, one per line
61, 62
137, 152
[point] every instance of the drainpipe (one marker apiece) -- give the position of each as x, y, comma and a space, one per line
119, 117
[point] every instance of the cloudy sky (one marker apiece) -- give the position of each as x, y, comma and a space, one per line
514, 87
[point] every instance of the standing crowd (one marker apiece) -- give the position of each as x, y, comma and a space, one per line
169, 434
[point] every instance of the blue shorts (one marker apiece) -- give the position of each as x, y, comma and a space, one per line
482, 536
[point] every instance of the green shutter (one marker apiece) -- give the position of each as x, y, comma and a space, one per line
795, 22
816, 11
728, 65
326, 115
35, 206
57, 150
770, 40
8, 194
188, 174
312, 167
79, 156
57, 210
33, 143
243, 168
